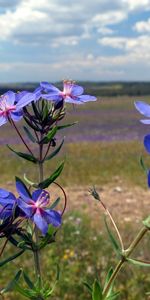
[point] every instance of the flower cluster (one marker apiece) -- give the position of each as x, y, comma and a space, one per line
144, 109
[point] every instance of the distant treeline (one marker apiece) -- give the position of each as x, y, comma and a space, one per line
94, 88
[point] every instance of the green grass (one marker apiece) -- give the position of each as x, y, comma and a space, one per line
83, 251
86, 164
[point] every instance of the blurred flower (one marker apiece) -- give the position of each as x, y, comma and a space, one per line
8, 203
71, 93
35, 207
144, 109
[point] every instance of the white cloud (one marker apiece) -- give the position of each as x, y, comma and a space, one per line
142, 26
137, 4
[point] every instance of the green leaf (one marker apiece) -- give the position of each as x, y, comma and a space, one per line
143, 165
29, 134
50, 135
96, 291
87, 285
67, 125
12, 283
137, 262
25, 292
55, 203
54, 153
109, 274
28, 280
10, 258
113, 239
24, 155
44, 184
113, 296
50, 291
31, 183
33, 126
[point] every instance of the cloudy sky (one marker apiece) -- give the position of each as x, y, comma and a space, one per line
76, 39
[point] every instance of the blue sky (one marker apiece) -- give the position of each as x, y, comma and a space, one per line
53, 40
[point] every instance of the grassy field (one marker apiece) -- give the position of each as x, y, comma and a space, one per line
103, 148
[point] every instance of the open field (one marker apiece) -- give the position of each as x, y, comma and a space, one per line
103, 150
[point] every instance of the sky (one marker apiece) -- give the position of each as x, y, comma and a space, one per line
52, 40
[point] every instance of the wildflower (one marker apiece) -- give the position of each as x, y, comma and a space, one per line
8, 203
144, 109
35, 207
71, 93
11, 105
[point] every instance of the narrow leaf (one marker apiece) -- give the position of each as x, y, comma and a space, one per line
28, 181
67, 125
97, 291
109, 274
55, 203
44, 184
113, 296
29, 134
12, 283
50, 135
33, 126
143, 165
28, 280
54, 153
112, 239
24, 155
87, 285
140, 263
10, 258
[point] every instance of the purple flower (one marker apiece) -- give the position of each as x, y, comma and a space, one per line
8, 203
71, 93
144, 109
35, 207
11, 105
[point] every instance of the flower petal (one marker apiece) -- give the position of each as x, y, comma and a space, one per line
25, 100
16, 116
49, 87
74, 101
147, 122
148, 178
10, 97
40, 221
86, 98
20, 95
22, 191
36, 194
147, 143
76, 90
143, 108
27, 209
52, 96
3, 120
4, 193
52, 217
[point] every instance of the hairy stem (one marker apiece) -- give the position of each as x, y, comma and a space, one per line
127, 252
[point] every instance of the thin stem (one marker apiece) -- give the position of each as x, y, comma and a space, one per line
114, 224
37, 252
123, 259
47, 150
18, 132
65, 196
36, 256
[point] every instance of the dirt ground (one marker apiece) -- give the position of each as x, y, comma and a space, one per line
126, 204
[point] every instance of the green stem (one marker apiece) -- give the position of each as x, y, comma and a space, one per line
37, 252
123, 259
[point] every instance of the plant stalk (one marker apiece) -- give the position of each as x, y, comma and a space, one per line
127, 253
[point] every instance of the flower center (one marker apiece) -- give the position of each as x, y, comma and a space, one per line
5, 109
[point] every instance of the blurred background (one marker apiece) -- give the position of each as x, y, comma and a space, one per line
105, 46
